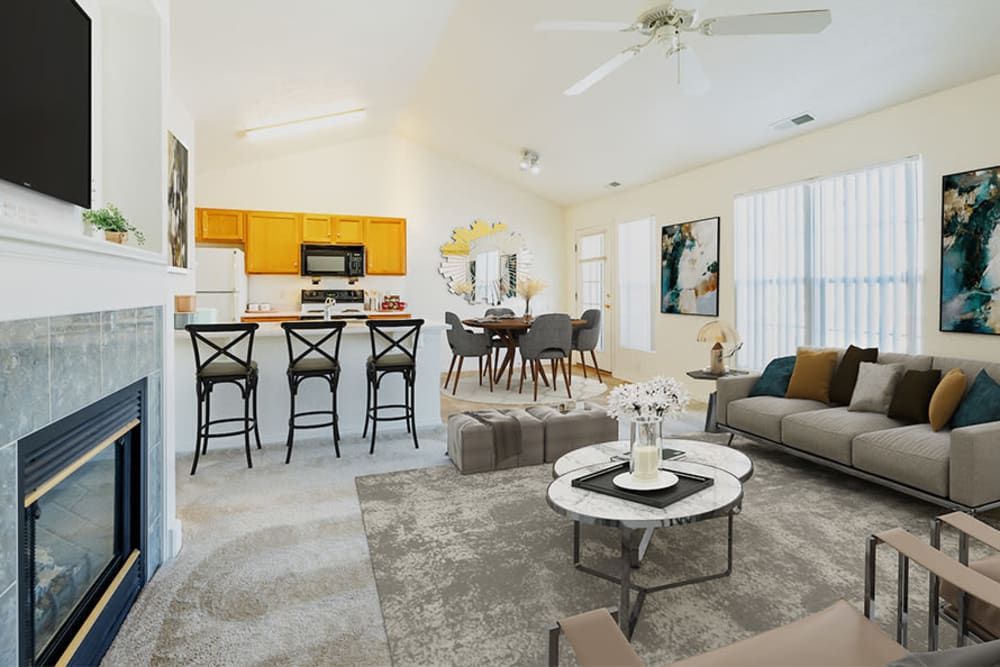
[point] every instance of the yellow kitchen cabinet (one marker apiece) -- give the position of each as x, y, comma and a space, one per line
220, 225
385, 246
317, 228
349, 230
273, 241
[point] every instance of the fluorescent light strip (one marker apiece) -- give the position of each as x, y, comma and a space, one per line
305, 124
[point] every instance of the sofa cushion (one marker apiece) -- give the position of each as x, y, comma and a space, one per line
946, 398
812, 375
762, 415
912, 399
846, 375
970, 367
876, 385
828, 433
981, 403
911, 362
774, 380
914, 455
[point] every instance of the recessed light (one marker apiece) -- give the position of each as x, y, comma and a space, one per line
305, 124
613, 184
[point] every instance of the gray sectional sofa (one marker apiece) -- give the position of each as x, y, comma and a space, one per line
957, 468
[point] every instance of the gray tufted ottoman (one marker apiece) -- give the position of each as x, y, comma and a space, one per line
566, 431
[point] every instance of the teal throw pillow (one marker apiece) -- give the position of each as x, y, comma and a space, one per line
774, 380
981, 403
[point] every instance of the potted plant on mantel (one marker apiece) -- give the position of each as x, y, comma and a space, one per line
114, 224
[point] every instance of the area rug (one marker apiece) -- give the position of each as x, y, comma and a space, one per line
473, 569
469, 390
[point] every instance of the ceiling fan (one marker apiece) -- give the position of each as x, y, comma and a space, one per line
664, 23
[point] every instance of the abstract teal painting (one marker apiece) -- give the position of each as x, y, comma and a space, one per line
970, 252
689, 268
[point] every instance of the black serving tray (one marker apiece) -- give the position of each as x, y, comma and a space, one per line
601, 482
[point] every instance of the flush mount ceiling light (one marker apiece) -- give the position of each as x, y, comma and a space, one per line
305, 124
529, 161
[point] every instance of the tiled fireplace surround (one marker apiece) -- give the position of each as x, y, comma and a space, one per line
48, 368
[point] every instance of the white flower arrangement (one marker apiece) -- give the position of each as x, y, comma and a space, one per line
663, 397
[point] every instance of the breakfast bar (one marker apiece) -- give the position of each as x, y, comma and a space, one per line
271, 355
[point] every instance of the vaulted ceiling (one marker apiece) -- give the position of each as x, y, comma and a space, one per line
472, 79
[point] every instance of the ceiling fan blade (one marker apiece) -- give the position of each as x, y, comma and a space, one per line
601, 72
693, 79
777, 23
583, 26
693, 6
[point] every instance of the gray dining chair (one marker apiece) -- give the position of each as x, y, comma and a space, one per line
497, 342
550, 337
464, 343
585, 339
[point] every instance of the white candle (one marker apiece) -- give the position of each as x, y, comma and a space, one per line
647, 460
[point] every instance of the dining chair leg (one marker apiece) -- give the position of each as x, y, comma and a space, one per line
552, 365
510, 367
520, 386
489, 370
562, 363
583, 362
480, 371
457, 375
496, 358
596, 367
451, 367
536, 369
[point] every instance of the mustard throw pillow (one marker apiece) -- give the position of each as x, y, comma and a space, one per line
946, 398
812, 375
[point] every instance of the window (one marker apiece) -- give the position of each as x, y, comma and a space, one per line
831, 262
636, 271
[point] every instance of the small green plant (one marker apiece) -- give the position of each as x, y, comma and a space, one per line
110, 219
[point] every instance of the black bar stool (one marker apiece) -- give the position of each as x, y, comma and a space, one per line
312, 358
394, 350
224, 363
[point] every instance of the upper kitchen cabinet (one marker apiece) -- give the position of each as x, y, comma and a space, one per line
349, 230
220, 225
273, 241
385, 246
317, 228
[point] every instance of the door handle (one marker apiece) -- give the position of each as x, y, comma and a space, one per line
608, 306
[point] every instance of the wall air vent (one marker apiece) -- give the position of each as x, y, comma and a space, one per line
793, 121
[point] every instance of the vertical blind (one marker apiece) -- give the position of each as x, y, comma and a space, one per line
636, 272
831, 262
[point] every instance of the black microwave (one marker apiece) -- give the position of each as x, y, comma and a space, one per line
333, 260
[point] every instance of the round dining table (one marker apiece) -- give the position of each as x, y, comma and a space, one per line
507, 329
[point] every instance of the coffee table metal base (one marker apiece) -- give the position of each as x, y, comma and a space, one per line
628, 614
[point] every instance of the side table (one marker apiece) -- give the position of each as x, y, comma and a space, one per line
701, 374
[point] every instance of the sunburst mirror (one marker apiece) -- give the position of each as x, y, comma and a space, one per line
483, 262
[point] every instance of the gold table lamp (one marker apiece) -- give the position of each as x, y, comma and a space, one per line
717, 332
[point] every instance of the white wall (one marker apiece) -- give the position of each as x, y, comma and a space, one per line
951, 130
392, 176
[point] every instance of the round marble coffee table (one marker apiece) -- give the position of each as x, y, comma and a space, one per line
722, 499
731, 460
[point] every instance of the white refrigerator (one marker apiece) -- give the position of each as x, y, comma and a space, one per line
221, 283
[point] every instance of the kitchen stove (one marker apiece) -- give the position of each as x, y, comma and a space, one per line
349, 304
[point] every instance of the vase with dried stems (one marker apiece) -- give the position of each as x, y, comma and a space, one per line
527, 289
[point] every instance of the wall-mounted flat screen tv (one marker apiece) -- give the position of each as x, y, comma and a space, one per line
45, 105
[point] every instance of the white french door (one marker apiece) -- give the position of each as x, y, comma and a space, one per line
593, 288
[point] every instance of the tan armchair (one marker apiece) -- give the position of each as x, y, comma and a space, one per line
837, 635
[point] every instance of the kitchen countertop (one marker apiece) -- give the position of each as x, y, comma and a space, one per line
269, 329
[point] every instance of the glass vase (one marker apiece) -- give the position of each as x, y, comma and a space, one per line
644, 448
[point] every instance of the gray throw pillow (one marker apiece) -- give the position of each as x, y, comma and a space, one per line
875, 387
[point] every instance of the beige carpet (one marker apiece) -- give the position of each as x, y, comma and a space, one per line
275, 567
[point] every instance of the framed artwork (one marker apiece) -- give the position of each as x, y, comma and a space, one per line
689, 268
970, 252
177, 202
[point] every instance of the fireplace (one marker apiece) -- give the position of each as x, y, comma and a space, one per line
82, 529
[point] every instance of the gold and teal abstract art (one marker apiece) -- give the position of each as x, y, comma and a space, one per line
689, 268
970, 252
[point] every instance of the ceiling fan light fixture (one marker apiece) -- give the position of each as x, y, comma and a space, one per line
529, 161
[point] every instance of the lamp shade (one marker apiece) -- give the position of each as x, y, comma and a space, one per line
717, 331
